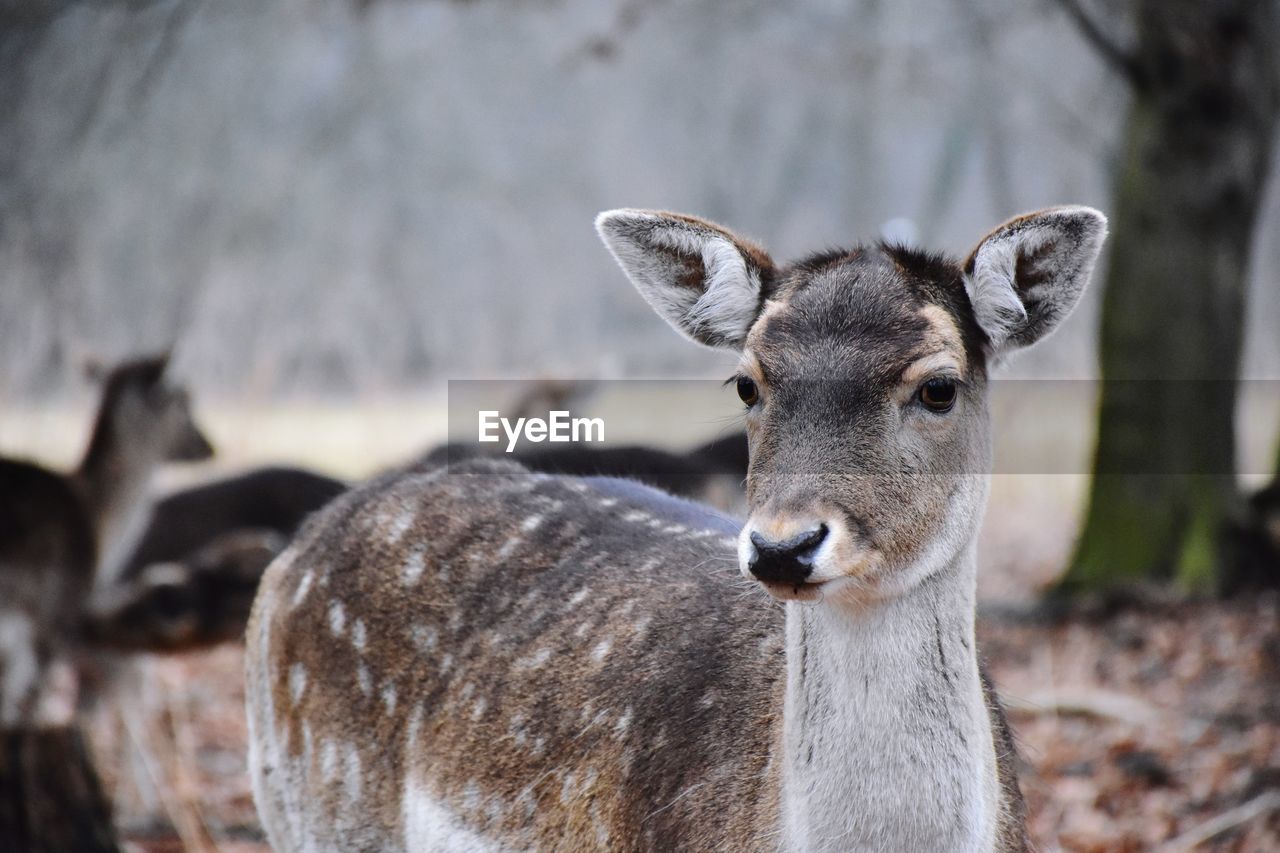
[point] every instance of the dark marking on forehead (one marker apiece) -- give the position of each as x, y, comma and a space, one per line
868, 299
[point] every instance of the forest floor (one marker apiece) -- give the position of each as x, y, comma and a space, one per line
1139, 727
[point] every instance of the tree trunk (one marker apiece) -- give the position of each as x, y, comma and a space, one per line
50, 796
1194, 165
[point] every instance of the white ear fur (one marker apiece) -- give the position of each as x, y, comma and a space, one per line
694, 274
1026, 276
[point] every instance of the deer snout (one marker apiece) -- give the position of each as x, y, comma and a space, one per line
787, 561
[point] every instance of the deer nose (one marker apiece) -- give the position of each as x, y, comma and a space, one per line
789, 561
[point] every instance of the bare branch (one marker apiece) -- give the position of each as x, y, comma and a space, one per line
1114, 54
1257, 807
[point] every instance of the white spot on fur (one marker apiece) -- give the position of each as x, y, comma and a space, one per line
358, 635
578, 597
471, 798
601, 651
415, 727
351, 779
527, 801
636, 516
624, 722
606, 503
329, 760
478, 709
304, 586
389, 698
297, 682
424, 637
337, 617
535, 660
364, 679
400, 526
509, 547
414, 565
531, 523
602, 831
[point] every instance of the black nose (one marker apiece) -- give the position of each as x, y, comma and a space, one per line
790, 561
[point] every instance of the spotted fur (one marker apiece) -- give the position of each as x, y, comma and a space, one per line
475, 656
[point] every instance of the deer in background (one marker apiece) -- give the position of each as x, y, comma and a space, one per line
142, 423
189, 580
59, 536
63, 534
477, 657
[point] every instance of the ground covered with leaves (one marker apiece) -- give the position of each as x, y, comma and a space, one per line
1142, 726
1146, 725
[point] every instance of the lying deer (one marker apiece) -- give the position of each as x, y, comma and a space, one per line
273, 499
476, 657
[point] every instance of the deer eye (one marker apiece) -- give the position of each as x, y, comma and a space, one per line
938, 395
747, 391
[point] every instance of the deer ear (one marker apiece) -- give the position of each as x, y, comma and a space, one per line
702, 279
1026, 276
151, 368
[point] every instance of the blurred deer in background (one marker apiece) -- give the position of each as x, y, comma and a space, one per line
189, 581
479, 657
62, 535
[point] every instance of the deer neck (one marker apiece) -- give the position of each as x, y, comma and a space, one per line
115, 480
887, 741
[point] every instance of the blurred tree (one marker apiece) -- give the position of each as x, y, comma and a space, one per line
1205, 78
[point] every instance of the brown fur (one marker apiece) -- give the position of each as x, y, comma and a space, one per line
485, 617
475, 656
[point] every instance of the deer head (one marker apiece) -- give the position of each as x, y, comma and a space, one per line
864, 376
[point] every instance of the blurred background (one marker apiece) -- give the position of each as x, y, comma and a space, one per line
331, 208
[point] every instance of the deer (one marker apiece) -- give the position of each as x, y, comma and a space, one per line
143, 421
267, 502
477, 657
62, 535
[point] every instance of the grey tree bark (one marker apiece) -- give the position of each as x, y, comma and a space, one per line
1201, 128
